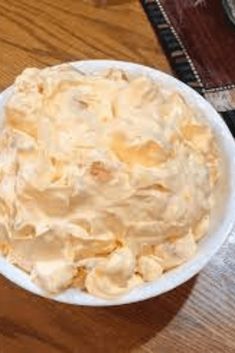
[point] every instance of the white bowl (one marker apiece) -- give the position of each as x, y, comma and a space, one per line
222, 216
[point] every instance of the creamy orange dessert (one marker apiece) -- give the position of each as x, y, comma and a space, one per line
106, 181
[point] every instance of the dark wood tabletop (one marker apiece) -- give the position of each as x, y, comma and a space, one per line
197, 317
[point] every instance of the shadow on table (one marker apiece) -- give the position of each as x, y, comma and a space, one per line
123, 328
30, 323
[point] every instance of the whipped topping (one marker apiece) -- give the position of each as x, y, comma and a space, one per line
106, 181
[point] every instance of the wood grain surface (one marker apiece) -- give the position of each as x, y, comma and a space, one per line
198, 317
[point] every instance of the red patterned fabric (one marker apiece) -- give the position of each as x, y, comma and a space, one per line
209, 38
199, 41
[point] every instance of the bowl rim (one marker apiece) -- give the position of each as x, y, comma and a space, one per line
179, 275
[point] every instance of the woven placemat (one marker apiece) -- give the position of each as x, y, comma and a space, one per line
199, 41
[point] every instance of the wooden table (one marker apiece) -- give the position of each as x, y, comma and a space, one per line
196, 317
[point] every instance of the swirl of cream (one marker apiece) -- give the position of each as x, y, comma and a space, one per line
114, 276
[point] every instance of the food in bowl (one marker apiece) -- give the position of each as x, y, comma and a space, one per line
107, 180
